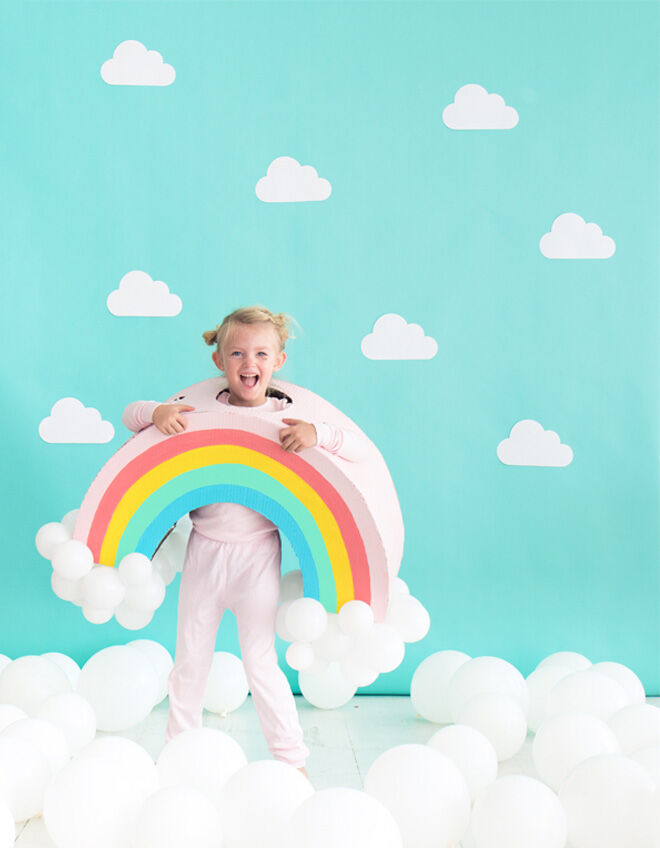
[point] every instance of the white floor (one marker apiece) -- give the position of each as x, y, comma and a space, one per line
343, 743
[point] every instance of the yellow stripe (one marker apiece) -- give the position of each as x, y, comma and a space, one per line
135, 496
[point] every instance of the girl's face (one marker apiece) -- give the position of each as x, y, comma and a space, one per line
249, 355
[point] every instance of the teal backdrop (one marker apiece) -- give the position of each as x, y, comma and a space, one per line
437, 225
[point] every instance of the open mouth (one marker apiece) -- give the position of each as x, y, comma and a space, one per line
249, 380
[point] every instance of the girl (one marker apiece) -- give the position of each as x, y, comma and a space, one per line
233, 556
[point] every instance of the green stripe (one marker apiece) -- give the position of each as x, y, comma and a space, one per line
241, 475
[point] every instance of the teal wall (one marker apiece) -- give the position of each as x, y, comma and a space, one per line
438, 225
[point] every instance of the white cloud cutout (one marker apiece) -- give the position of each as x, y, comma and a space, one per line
73, 423
139, 295
393, 338
133, 64
287, 181
572, 238
530, 444
475, 109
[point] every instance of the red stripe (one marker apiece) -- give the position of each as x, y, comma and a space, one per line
155, 455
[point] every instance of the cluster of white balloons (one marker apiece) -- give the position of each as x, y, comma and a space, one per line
132, 592
335, 653
595, 778
120, 684
50, 711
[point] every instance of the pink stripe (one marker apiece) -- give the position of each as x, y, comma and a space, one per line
155, 455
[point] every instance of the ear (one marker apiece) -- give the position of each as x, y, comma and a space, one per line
280, 359
216, 356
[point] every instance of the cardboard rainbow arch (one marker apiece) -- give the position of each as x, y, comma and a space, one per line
342, 518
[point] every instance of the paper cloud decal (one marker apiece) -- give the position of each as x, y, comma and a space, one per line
572, 238
133, 64
530, 444
393, 338
287, 181
475, 109
70, 422
139, 295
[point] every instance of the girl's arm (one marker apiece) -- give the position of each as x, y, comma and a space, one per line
343, 443
138, 414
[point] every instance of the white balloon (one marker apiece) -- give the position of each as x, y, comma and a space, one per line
539, 684
501, 720
128, 754
204, 758
67, 590
280, 622
121, 686
317, 666
566, 740
425, 792
517, 811
607, 800
148, 595
306, 619
408, 617
626, 678
134, 569
132, 619
69, 521
291, 586
95, 615
258, 799
102, 588
69, 666
226, 685
176, 543
649, 758
333, 643
635, 726
586, 692
4, 661
73, 715
485, 675
359, 675
94, 802
49, 536
341, 817
400, 586
47, 737
471, 752
381, 648
163, 565
28, 681
355, 618
428, 687
177, 817
569, 659
299, 655
327, 689
7, 826
161, 660
24, 776
9, 713
72, 560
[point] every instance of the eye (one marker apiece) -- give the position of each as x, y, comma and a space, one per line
235, 353
262, 353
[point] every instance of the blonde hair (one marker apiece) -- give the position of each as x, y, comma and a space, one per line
280, 321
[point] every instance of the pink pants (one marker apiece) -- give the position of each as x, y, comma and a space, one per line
245, 578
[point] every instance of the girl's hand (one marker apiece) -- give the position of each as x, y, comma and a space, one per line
298, 436
168, 419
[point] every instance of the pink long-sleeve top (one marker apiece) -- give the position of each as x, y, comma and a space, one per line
231, 522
